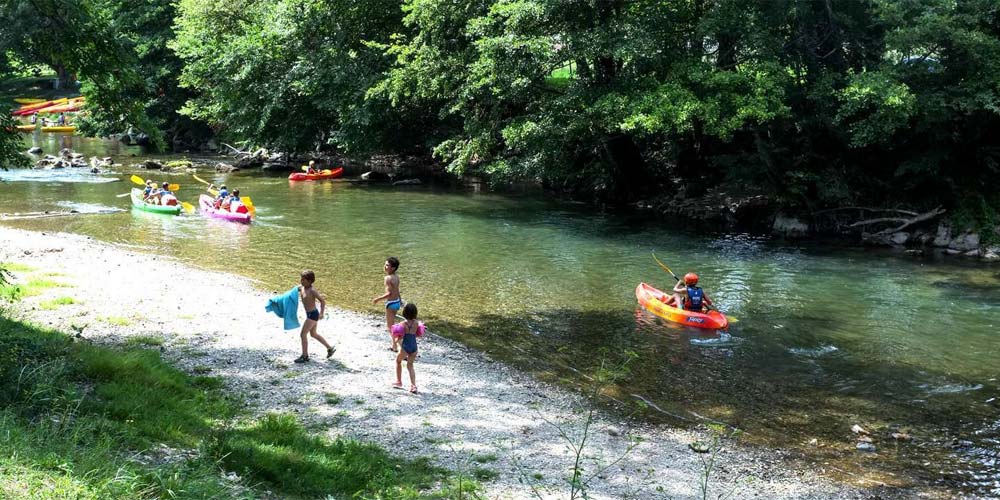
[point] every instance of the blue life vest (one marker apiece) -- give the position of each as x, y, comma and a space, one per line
694, 299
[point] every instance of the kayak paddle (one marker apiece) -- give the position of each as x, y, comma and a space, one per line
732, 319
209, 184
664, 266
189, 208
138, 180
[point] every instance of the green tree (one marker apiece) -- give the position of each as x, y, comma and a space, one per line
292, 74
77, 39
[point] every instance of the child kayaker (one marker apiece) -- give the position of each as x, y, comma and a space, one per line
391, 296
309, 296
407, 332
311, 169
148, 191
689, 295
236, 205
166, 197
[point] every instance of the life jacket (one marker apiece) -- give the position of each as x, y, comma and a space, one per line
695, 298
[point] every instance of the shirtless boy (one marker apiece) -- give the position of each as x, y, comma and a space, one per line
309, 296
391, 296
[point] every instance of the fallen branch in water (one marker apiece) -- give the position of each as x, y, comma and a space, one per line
905, 222
867, 209
47, 214
237, 151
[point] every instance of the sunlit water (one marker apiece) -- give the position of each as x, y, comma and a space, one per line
825, 338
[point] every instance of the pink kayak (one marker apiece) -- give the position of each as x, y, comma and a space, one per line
207, 204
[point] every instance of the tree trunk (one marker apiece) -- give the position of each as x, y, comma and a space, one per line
64, 79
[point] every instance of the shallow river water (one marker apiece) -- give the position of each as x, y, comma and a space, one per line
825, 338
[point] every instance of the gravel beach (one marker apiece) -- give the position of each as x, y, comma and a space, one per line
473, 414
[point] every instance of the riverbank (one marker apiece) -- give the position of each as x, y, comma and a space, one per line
474, 414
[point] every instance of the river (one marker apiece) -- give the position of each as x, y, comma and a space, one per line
826, 337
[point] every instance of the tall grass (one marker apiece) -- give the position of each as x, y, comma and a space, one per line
79, 421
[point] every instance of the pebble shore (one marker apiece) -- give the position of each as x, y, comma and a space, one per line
472, 413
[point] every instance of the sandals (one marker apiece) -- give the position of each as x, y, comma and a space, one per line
413, 389
330, 351
397, 385
302, 359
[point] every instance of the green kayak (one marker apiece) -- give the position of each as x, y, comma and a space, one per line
160, 209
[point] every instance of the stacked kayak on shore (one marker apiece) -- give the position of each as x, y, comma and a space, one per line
147, 207
325, 174
654, 301
56, 128
207, 205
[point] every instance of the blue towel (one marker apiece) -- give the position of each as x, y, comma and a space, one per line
285, 306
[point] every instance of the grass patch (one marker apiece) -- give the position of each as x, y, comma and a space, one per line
74, 415
36, 286
486, 458
277, 450
561, 77
115, 320
483, 474
332, 399
144, 341
71, 412
16, 267
55, 303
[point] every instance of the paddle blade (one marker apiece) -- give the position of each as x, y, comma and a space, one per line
189, 208
664, 266
174, 187
249, 203
732, 319
123, 195
138, 180
203, 181
305, 168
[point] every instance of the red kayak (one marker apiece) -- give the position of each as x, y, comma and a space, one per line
325, 174
654, 301
207, 204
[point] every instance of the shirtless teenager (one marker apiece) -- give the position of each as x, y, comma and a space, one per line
309, 296
391, 296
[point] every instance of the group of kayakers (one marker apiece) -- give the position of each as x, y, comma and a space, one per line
158, 195
45, 121
229, 201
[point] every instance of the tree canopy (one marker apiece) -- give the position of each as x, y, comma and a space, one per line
816, 102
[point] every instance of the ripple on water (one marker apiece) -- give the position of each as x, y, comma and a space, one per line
724, 339
949, 388
88, 208
62, 175
815, 352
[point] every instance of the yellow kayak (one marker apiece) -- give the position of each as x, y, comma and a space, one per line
54, 128
28, 100
65, 128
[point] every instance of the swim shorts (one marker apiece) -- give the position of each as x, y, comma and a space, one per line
394, 304
313, 315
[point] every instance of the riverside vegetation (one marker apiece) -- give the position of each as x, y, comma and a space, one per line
811, 104
88, 421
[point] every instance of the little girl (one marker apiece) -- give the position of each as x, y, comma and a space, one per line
409, 330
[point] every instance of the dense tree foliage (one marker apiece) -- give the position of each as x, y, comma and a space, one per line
816, 102
78, 39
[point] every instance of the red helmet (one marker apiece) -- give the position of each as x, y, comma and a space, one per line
691, 279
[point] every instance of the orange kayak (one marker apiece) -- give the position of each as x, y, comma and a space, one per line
654, 301
325, 174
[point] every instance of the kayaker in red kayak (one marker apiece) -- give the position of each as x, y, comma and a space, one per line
688, 293
312, 167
